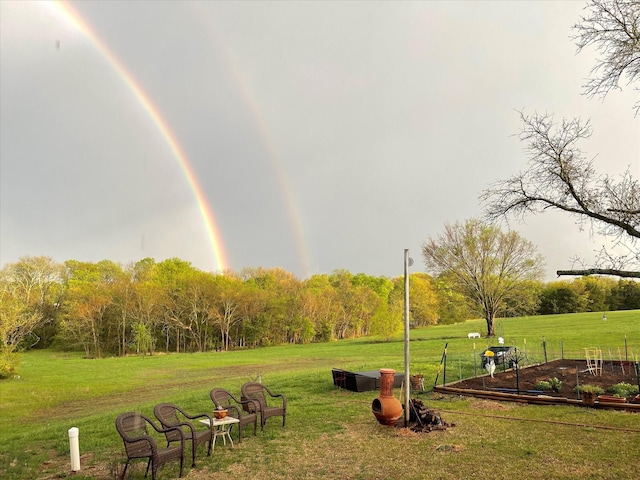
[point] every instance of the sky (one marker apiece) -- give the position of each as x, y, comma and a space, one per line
311, 136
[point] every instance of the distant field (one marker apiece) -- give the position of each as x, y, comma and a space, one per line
330, 433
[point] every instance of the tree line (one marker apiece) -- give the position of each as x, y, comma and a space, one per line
106, 309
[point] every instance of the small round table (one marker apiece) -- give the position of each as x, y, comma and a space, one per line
221, 428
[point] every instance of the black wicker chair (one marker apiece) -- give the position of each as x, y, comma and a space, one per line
224, 399
138, 443
256, 391
171, 415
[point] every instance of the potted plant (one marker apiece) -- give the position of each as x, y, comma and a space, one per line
588, 393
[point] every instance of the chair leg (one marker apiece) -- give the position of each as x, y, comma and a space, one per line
124, 472
146, 472
154, 470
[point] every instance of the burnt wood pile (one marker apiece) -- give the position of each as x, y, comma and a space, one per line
423, 419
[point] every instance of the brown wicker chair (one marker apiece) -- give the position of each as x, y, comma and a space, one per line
223, 398
256, 391
133, 428
171, 415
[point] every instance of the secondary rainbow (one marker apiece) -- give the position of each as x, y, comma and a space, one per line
253, 106
206, 212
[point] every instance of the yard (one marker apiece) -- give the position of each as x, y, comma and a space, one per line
330, 433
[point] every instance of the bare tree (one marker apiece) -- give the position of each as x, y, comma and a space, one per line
613, 27
559, 176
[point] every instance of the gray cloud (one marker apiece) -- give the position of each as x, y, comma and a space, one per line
366, 125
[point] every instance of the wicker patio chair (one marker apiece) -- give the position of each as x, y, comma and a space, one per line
224, 399
138, 443
171, 415
256, 391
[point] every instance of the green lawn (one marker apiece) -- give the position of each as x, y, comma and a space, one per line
330, 433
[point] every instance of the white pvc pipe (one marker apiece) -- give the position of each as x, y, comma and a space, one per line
74, 448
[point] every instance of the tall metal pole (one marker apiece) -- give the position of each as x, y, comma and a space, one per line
407, 385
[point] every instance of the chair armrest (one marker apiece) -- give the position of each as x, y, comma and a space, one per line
251, 405
250, 401
199, 415
277, 395
233, 408
175, 427
148, 438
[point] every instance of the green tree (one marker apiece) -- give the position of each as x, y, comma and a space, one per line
625, 295
453, 306
90, 316
280, 290
226, 306
173, 277
31, 291
485, 264
321, 304
17, 321
142, 338
597, 291
423, 300
561, 297
526, 302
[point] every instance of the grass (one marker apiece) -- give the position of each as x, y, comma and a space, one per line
330, 433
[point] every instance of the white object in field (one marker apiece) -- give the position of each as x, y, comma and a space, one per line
491, 367
74, 448
501, 340
473, 335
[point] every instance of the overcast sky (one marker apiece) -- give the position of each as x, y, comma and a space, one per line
324, 135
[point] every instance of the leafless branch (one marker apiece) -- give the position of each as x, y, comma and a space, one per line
613, 27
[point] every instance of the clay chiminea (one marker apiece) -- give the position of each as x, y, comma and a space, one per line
387, 408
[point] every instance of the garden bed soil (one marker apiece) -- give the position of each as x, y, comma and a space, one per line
569, 372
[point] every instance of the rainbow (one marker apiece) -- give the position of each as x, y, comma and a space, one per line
72, 17
255, 110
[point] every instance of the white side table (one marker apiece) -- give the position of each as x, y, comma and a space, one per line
221, 428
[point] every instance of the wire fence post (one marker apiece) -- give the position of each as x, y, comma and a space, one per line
475, 362
626, 352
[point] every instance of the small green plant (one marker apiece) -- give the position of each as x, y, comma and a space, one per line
543, 385
556, 385
552, 384
623, 389
590, 389
8, 363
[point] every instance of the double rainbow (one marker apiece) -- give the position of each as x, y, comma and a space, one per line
213, 233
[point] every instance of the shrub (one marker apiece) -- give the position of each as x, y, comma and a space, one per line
551, 384
8, 363
623, 389
556, 385
543, 385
